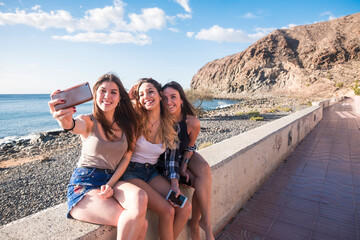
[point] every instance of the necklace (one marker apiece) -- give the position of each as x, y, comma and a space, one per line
152, 124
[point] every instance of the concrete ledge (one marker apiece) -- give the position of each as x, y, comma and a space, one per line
239, 166
323, 103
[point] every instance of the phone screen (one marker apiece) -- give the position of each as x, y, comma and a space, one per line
180, 200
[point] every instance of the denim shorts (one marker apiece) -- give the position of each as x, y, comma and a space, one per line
83, 180
143, 171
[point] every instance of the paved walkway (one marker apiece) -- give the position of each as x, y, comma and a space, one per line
315, 192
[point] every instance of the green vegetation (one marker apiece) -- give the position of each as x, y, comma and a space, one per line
255, 116
205, 144
356, 88
280, 109
339, 84
240, 114
259, 118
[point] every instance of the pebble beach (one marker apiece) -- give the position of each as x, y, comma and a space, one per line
34, 173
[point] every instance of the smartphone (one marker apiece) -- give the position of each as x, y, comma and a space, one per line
179, 201
183, 181
73, 96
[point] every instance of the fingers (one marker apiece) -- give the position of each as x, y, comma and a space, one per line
106, 191
54, 101
54, 92
171, 203
187, 177
63, 113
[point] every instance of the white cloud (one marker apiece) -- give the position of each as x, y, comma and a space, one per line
289, 26
39, 19
36, 7
190, 34
249, 15
219, 34
2, 4
107, 38
184, 4
184, 16
328, 13
174, 29
151, 18
96, 23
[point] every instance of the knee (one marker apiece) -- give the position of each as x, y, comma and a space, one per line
167, 213
205, 169
141, 198
187, 209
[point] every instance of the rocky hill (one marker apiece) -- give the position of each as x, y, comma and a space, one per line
321, 59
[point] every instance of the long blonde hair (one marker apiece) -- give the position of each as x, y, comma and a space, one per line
167, 133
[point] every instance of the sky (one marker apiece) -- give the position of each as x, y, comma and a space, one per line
49, 45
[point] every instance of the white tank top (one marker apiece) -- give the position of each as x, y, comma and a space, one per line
147, 152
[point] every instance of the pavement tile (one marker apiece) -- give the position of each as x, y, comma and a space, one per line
315, 192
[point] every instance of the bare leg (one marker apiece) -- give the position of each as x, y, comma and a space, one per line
88, 209
134, 200
129, 219
161, 207
182, 215
202, 197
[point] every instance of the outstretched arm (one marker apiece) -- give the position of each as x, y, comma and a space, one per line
81, 125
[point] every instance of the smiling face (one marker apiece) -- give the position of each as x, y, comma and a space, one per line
107, 96
149, 96
173, 100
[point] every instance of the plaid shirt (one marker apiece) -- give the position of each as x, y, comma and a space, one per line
169, 164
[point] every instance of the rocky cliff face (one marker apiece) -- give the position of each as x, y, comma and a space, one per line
305, 60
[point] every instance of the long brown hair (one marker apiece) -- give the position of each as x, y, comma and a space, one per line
187, 108
167, 131
124, 116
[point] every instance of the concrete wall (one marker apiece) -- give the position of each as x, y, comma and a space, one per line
239, 166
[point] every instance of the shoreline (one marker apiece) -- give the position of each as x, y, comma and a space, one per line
34, 174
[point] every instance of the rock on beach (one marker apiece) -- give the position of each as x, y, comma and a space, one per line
34, 173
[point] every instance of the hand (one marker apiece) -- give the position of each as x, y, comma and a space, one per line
187, 176
106, 191
63, 116
175, 186
132, 93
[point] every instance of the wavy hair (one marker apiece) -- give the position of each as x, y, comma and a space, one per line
187, 108
167, 131
125, 116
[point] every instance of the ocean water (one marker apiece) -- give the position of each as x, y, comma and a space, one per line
24, 115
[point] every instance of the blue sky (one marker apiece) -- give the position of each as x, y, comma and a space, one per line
49, 45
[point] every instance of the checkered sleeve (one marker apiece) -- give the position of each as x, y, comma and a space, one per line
172, 165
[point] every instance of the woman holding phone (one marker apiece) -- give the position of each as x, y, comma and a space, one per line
194, 169
108, 135
156, 134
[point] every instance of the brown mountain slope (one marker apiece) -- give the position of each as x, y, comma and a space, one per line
309, 60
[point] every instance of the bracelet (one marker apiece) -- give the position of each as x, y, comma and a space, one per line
186, 160
191, 148
70, 129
